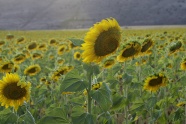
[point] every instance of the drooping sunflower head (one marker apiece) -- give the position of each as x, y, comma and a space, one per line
129, 51
61, 49
9, 36
19, 58
32, 70
52, 42
60, 61
102, 40
108, 63
20, 40
183, 65
6, 67
77, 55
32, 46
36, 56
175, 47
42, 47
153, 83
13, 91
147, 44
59, 72
180, 104
2, 43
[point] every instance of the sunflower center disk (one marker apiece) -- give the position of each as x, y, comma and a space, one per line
129, 52
7, 66
32, 70
12, 91
155, 82
107, 42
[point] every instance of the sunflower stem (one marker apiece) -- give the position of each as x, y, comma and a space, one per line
89, 96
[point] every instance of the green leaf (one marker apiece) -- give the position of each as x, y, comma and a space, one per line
7, 117
137, 107
183, 80
52, 120
27, 117
127, 78
76, 42
116, 69
85, 118
72, 82
91, 69
103, 97
113, 83
151, 102
118, 102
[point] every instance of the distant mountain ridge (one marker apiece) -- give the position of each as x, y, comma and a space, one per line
74, 14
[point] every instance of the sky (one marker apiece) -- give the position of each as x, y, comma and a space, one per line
74, 14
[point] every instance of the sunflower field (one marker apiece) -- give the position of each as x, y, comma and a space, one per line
104, 75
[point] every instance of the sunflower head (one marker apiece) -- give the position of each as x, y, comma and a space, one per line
13, 91
2, 43
129, 51
183, 65
6, 67
9, 36
77, 55
153, 83
32, 46
53, 42
180, 104
60, 61
42, 47
108, 63
20, 40
19, 58
175, 47
147, 44
61, 49
102, 40
36, 56
32, 70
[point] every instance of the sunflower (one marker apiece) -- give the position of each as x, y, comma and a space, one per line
147, 44
43, 79
175, 47
2, 43
61, 49
183, 65
13, 91
102, 40
108, 63
60, 71
19, 58
42, 47
6, 67
9, 36
32, 70
60, 61
16, 68
153, 83
52, 42
77, 55
130, 51
180, 104
36, 56
32, 46
94, 87
20, 40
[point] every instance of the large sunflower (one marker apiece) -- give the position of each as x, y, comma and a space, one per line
101, 40
13, 91
153, 83
32, 70
6, 67
130, 50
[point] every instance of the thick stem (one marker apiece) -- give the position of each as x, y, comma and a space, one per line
89, 97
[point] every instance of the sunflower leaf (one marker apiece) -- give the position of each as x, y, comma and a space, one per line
118, 102
52, 120
85, 118
76, 42
72, 82
7, 117
103, 97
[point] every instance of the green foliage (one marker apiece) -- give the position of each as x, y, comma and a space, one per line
6, 117
73, 82
85, 118
103, 97
55, 116
76, 42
